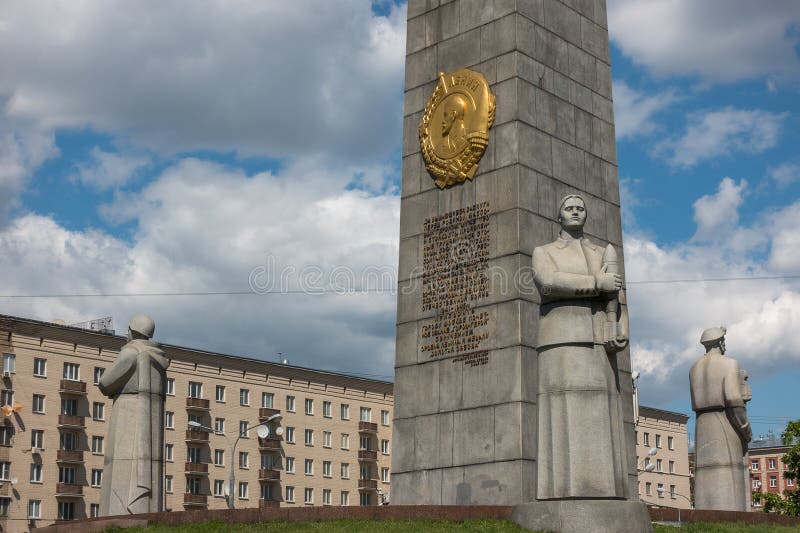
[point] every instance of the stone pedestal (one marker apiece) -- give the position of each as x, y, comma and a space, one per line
465, 419
583, 516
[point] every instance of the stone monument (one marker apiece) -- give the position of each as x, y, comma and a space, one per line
722, 431
507, 110
133, 464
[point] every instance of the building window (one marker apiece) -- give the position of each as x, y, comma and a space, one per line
672, 492
66, 474
326, 409
385, 446
6, 432
244, 460
309, 467
243, 490
289, 494
345, 471
648, 488
94, 510
385, 475
193, 455
364, 442
771, 464
98, 373
169, 420
219, 426
790, 482
219, 457
658, 441
266, 491
309, 437
168, 484
37, 406
68, 441
309, 406
243, 428
365, 472
9, 363
40, 371
195, 389
72, 371
345, 441
66, 510
326, 469
193, 485
345, 411
756, 483
672, 467
754, 466
658, 465
168, 452
97, 477
646, 438
289, 435
267, 399
97, 445
219, 394
326, 496
290, 465
364, 498
326, 439
290, 404
170, 387
344, 498
365, 414
7, 397
384, 418
671, 443
773, 481
98, 411
34, 509
244, 397
219, 487
69, 407
36, 472
660, 490
37, 439
308, 497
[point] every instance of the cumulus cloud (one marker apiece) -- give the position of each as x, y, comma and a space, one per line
634, 110
716, 133
715, 40
717, 214
785, 174
107, 170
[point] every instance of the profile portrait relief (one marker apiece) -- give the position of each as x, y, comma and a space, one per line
454, 134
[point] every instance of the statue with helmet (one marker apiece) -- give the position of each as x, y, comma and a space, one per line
722, 430
133, 465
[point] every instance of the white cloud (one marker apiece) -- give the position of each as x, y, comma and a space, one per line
722, 132
716, 215
107, 170
716, 40
634, 110
785, 174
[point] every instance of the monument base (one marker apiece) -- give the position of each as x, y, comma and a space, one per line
582, 516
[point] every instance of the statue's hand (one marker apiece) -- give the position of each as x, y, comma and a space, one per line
608, 282
616, 345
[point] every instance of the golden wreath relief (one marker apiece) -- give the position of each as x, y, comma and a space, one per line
454, 131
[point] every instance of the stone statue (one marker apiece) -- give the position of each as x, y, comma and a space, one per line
133, 467
722, 430
583, 323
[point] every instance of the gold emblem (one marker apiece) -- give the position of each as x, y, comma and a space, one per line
454, 131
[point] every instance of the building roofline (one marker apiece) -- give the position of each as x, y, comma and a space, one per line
652, 412
114, 341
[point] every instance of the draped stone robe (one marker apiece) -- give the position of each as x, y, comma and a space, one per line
581, 445
133, 465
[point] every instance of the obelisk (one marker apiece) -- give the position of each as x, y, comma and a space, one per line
483, 173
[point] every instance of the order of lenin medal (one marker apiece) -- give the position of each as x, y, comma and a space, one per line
454, 131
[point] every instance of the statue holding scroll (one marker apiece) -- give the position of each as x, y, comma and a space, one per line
135, 443
583, 323
722, 431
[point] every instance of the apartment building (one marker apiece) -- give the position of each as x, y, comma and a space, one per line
662, 456
766, 467
334, 450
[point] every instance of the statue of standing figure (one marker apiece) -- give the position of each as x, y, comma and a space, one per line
133, 467
583, 323
722, 431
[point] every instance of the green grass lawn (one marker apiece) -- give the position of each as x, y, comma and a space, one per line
700, 527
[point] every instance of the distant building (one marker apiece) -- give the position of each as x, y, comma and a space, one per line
767, 468
668, 483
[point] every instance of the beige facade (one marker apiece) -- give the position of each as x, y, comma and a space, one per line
666, 432
334, 449
767, 471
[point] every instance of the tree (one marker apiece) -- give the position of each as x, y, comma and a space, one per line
790, 503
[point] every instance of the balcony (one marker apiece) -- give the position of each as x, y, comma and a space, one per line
71, 421
367, 455
69, 490
367, 484
367, 427
69, 456
269, 504
193, 435
266, 412
195, 500
68, 386
269, 475
269, 445
197, 404
198, 469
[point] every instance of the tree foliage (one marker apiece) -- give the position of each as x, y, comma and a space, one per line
789, 504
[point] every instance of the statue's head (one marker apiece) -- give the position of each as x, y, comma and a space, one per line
714, 338
747, 392
454, 109
142, 326
572, 212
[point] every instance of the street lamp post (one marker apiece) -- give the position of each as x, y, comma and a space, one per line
232, 478
651, 466
661, 491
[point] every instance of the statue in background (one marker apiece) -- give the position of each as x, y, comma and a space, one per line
583, 323
133, 467
722, 430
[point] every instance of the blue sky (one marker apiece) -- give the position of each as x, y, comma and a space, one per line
181, 146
